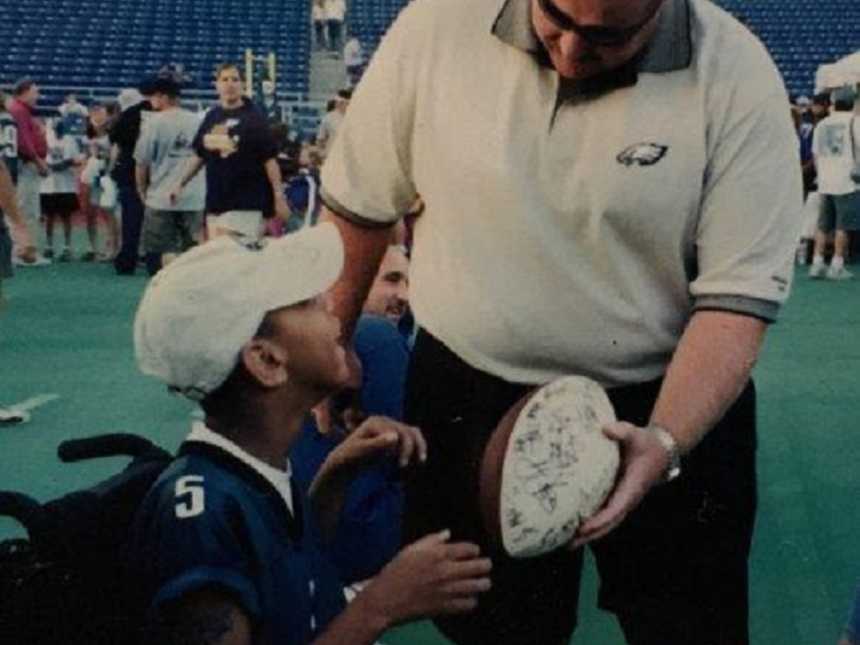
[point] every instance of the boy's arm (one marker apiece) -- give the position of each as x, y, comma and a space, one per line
205, 617
427, 578
374, 437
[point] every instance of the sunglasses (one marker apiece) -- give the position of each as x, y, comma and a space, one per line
612, 37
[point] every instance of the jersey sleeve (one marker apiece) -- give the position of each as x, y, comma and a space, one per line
751, 212
190, 539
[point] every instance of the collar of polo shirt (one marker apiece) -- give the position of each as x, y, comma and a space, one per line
669, 50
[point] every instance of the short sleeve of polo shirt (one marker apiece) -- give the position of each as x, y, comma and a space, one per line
367, 175
751, 210
196, 551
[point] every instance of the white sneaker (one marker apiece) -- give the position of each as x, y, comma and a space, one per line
839, 274
817, 270
40, 261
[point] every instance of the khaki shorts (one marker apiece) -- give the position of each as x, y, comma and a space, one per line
247, 225
170, 231
841, 212
27, 192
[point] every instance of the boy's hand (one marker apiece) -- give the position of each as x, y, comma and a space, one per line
427, 578
378, 435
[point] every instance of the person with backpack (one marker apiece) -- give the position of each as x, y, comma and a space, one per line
223, 548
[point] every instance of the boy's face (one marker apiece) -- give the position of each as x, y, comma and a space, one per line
311, 335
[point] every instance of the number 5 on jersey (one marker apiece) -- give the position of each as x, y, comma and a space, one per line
190, 495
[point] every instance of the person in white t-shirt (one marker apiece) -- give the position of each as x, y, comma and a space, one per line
353, 60
59, 190
835, 148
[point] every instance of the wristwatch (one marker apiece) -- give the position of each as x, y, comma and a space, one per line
673, 469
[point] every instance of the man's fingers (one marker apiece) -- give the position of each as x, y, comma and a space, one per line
468, 587
407, 447
431, 539
420, 443
619, 431
469, 569
462, 551
460, 605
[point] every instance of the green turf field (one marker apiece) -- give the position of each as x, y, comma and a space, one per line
66, 330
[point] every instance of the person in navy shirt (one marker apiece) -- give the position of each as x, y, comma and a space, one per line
238, 148
222, 550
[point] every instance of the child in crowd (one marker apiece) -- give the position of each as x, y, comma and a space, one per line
98, 203
58, 191
222, 549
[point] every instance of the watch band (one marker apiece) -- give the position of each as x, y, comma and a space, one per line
673, 469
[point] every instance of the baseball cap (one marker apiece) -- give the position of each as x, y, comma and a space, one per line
199, 311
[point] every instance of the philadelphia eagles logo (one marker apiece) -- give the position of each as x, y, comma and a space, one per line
643, 154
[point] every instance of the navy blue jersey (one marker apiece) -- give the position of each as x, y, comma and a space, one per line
235, 145
212, 520
384, 356
9, 143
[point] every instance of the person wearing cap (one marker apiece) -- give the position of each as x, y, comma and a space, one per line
123, 137
164, 148
608, 195
836, 149
236, 145
222, 546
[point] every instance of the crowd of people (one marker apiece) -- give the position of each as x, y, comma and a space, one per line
131, 170
829, 136
314, 377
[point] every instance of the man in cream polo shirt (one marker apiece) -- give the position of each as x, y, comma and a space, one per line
611, 190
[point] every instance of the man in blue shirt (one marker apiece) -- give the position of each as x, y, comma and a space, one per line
221, 550
369, 532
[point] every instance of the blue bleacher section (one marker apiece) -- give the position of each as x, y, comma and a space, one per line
110, 43
369, 19
800, 34
113, 43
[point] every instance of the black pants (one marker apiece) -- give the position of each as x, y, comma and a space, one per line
132, 222
675, 573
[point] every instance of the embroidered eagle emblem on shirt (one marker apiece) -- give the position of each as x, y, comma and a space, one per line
642, 154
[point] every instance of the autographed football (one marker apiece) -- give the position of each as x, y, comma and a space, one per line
548, 466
